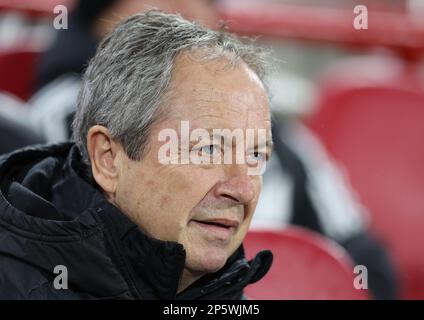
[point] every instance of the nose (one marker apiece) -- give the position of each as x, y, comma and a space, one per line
238, 188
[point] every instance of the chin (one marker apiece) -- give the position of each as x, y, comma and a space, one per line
208, 261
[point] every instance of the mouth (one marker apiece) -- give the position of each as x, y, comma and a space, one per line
221, 228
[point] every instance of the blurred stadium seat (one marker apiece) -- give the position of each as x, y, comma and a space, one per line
34, 8
18, 69
374, 129
306, 266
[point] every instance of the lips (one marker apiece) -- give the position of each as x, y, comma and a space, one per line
223, 223
221, 228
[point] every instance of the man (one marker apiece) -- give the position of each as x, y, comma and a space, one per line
113, 216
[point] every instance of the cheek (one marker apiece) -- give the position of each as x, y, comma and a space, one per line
180, 191
161, 199
150, 205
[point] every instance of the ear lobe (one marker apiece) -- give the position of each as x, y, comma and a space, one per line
104, 158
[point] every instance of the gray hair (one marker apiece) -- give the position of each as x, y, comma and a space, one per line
127, 79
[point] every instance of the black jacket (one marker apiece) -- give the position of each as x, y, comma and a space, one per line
51, 215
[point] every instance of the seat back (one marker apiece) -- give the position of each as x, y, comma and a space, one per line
18, 70
306, 266
376, 133
35, 8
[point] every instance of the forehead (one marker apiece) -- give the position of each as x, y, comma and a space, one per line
215, 91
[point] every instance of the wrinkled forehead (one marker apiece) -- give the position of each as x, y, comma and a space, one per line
230, 101
215, 91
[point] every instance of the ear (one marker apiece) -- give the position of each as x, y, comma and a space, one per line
105, 157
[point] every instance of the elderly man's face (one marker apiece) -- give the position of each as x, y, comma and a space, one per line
205, 207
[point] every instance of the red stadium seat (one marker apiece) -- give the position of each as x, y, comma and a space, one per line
18, 72
35, 8
306, 266
375, 131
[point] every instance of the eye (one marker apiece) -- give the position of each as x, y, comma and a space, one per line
209, 149
256, 156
